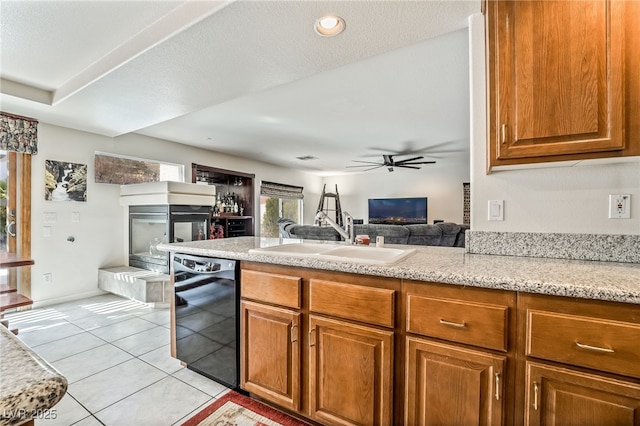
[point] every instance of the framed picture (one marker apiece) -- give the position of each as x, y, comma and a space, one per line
65, 181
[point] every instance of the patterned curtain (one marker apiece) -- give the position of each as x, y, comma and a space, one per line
19, 134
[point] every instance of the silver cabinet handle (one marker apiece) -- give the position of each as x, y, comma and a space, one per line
311, 342
535, 396
453, 324
294, 334
497, 386
11, 228
594, 348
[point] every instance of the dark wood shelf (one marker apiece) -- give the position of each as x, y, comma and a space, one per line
12, 260
229, 181
13, 300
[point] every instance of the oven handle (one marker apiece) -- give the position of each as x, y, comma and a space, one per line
189, 214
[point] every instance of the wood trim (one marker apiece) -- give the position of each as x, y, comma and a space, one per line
25, 221
12, 247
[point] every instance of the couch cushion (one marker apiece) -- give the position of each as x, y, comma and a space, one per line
311, 232
284, 225
393, 234
460, 238
365, 229
425, 235
449, 233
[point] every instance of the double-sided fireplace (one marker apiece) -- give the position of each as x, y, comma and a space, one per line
150, 225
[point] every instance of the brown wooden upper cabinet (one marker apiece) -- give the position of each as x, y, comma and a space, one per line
558, 86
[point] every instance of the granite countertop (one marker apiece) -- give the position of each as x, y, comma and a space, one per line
611, 281
30, 386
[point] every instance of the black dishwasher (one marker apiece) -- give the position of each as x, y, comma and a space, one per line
206, 296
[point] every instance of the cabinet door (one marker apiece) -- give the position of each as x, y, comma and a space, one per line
447, 384
350, 377
270, 353
556, 78
558, 396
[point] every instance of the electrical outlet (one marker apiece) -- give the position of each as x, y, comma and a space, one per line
50, 217
47, 278
619, 206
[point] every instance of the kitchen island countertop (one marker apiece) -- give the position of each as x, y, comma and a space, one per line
29, 385
609, 281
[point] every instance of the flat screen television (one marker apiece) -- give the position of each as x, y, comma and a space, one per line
398, 211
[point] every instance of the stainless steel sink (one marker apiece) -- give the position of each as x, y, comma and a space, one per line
337, 252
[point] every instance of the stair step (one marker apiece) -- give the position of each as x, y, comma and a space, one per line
4, 288
13, 300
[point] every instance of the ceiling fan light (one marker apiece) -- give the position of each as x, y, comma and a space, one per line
329, 25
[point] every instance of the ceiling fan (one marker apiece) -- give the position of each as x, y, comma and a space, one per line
390, 163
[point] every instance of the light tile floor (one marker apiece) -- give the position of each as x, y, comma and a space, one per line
114, 353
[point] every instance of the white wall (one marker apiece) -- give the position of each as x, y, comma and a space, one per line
550, 199
100, 239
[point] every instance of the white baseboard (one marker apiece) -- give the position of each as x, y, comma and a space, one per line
57, 300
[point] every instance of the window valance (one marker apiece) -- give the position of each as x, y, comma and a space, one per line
280, 190
19, 134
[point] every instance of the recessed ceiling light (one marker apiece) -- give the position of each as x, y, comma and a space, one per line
329, 25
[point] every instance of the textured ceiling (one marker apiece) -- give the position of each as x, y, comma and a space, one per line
249, 78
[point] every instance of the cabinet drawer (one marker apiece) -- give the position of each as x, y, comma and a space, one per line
601, 344
366, 304
460, 321
271, 288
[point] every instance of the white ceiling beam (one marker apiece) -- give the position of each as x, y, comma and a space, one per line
24, 91
179, 19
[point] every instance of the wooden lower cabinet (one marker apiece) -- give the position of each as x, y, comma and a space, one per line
351, 373
450, 385
561, 396
446, 355
270, 353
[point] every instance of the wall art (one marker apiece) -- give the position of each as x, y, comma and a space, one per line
65, 181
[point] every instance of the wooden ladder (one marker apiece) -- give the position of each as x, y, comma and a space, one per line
323, 205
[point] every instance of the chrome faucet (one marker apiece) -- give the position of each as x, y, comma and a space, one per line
346, 233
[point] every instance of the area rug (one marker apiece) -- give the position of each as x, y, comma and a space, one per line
235, 409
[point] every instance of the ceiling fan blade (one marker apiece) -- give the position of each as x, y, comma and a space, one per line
366, 162
407, 167
365, 170
373, 168
409, 160
410, 148
417, 162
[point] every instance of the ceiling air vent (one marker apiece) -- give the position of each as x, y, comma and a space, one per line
307, 158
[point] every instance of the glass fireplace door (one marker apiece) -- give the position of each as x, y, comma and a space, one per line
152, 225
189, 223
148, 227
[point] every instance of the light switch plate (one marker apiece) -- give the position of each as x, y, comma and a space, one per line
46, 231
496, 210
75, 217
